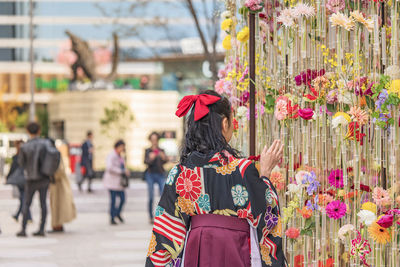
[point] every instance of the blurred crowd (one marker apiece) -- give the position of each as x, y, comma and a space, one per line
39, 165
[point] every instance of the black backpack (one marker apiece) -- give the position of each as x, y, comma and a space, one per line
51, 161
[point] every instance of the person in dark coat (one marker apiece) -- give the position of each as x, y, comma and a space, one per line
31, 158
15, 169
87, 161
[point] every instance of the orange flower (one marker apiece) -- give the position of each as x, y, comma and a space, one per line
152, 246
277, 230
277, 180
358, 115
306, 212
265, 254
378, 233
186, 205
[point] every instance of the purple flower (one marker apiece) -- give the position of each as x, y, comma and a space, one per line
271, 220
312, 182
312, 206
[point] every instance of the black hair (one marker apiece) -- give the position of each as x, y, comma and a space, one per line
33, 128
205, 135
119, 143
156, 134
89, 133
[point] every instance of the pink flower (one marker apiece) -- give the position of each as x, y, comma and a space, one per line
292, 233
336, 178
306, 113
281, 111
331, 97
219, 87
336, 209
253, 5
386, 221
381, 196
286, 17
335, 5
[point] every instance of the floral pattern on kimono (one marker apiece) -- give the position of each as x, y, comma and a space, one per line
199, 186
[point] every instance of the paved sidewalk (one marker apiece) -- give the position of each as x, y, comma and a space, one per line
89, 241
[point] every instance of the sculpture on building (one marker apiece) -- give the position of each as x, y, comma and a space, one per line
85, 59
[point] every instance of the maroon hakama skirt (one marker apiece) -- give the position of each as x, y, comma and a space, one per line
217, 240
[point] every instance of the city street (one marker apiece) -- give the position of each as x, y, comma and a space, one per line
89, 241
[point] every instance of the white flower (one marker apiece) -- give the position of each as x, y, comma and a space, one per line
286, 17
345, 97
344, 230
294, 189
393, 71
339, 121
241, 112
366, 217
303, 10
226, 14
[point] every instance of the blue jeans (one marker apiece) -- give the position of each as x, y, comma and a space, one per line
151, 179
116, 211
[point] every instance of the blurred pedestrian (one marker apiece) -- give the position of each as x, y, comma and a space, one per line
87, 161
115, 180
155, 159
61, 199
31, 158
16, 177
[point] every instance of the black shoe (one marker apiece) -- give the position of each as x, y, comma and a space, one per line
120, 218
57, 230
113, 222
90, 190
39, 233
80, 187
21, 234
15, 217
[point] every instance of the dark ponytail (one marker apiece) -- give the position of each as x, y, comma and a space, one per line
205, 135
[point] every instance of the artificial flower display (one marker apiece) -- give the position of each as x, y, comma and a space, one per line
327, 84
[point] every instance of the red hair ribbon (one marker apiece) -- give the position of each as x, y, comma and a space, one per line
254, 158
201, 109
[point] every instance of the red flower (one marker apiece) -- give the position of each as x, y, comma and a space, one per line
293, 111
354, 132
306, 113
188, 185
298, 261
235, 124
314, 95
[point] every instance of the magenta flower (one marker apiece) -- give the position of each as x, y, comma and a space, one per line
386, 221
306, 113
336, 209
336, 178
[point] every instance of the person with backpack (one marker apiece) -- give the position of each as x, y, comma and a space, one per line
39, 162
16, 177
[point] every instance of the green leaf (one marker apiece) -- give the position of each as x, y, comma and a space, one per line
331, 108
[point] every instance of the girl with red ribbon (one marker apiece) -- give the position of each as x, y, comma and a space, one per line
216, 208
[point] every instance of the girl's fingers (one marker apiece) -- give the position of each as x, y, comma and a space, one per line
277, 146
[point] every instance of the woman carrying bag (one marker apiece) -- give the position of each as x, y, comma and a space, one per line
16, 177
115, 179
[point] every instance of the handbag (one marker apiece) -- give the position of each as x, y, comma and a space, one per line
124, 181
17, 178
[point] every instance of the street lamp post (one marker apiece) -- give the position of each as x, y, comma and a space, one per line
31, 59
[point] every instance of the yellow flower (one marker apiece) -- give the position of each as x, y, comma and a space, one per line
378, 233
345, 116
243, 35
369, 206
277, 230
226, 24
341, 193
395, 87
226, 43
